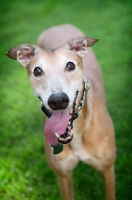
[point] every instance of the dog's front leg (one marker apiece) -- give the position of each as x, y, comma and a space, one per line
63, 164
109, 179
66, 187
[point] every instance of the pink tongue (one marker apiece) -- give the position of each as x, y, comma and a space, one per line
56, 123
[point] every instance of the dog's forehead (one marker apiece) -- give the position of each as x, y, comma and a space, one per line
51, 58
64, 54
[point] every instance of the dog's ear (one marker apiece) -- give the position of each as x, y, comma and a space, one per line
23, 53
80, 45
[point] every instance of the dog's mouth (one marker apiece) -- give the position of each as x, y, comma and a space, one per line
59, 125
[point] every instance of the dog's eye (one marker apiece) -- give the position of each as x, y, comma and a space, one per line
38, 71
70, 66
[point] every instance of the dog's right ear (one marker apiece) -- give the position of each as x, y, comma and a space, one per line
23, 53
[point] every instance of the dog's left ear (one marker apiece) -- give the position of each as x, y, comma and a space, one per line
23, 53
80, 45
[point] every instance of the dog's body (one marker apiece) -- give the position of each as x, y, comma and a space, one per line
93, 132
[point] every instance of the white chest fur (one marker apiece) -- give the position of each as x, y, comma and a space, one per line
78, 148
80, 153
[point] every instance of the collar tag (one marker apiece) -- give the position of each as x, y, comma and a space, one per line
58, 149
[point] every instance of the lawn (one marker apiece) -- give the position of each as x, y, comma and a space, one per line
24, 172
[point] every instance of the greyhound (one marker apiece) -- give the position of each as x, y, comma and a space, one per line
61, 69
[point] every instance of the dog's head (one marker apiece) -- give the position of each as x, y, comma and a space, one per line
56, 77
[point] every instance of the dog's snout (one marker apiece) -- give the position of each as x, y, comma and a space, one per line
58, 101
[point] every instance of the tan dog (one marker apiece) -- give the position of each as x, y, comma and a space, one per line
56, 72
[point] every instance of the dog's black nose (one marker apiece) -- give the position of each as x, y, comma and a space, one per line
58, 101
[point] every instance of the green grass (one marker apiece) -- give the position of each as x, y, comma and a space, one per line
24, 173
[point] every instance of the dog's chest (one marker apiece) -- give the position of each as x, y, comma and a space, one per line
79, 150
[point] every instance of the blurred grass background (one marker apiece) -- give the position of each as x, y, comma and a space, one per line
24, 173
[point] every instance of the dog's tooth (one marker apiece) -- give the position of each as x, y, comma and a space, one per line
57, 135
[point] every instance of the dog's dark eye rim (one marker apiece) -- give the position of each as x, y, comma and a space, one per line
70, 66
38, 71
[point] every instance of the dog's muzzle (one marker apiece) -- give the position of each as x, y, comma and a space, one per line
59, 125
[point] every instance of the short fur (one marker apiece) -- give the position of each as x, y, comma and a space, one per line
93, 133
